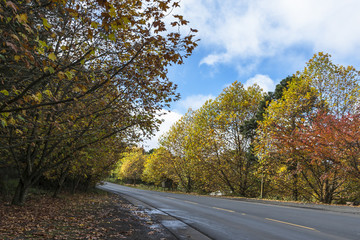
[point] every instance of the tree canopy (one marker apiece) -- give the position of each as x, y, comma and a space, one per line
300, 142
78, 73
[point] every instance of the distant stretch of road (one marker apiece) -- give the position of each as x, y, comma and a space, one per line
224, 219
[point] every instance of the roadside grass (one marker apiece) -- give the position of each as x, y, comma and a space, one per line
142, 186
150, 187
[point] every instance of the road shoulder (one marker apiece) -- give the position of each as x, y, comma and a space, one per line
175, 226
79, 216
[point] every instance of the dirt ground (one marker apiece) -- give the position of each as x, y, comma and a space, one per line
90, 216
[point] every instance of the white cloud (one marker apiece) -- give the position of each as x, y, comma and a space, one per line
264, 81
242, 31
194, 102
169, 119
212, 59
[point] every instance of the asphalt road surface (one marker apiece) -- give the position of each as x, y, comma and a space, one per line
223, 219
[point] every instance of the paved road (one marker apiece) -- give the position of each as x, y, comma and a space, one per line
231, 219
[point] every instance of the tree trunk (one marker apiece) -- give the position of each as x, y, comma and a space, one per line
76, 184
4, 191
328, 193
59, 185
227, 181
189, 184
20, 193
61, 182
295, 188
244, 188
87, 183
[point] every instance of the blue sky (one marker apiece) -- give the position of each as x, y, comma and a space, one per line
259, 41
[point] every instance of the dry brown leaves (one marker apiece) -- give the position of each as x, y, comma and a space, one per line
85, 216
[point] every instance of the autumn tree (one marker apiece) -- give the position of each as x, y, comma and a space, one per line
179, 144
50, 40
236, 106
132, 165
348, 128
209, 149
249, 127
322, 87
335, 140
88, 166
50, 141
77, 72
158, 167
208, 146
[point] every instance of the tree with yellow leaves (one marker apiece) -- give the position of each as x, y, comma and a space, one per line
76, 72
158, 167
321, 89
132, 165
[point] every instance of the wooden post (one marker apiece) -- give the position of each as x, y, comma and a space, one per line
262, 185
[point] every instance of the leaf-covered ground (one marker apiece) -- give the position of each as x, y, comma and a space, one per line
85, 216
